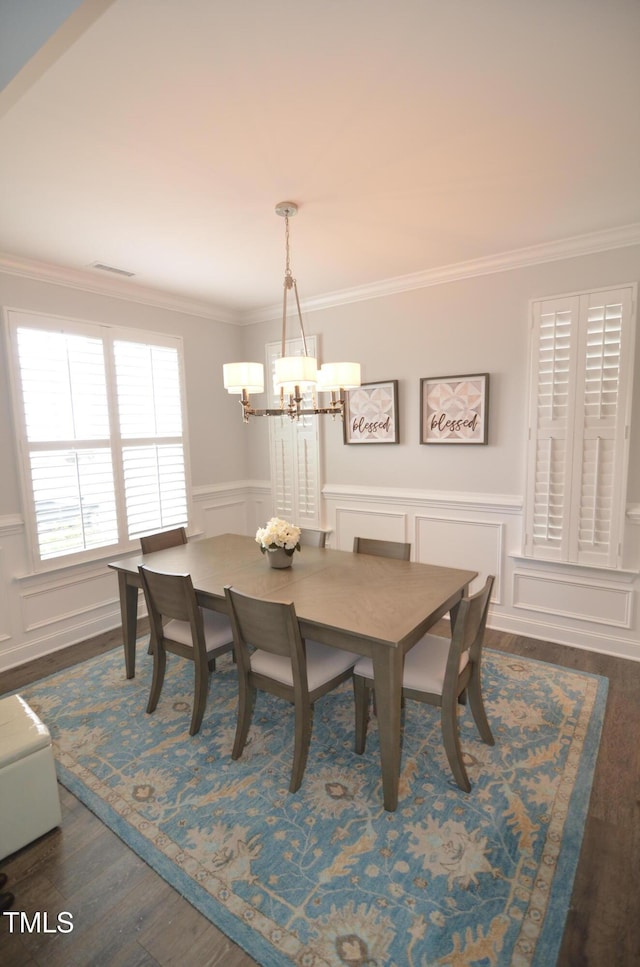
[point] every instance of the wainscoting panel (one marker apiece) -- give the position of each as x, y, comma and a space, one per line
591, 608
228, 517
231, 508
44, 612
579, 600
69, 599
382, 524
457, 542
5, 628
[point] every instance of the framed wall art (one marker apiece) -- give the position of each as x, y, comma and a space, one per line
454, 409
371, 413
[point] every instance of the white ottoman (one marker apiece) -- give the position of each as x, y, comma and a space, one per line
29, 800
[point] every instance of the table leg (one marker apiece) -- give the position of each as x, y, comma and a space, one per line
387, 674
453, 615
129, 613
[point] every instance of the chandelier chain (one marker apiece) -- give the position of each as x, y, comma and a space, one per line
288, 279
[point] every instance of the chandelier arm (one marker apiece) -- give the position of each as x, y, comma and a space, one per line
293, 408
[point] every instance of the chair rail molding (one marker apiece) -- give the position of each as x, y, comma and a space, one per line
446, 499
231, 489
11, 524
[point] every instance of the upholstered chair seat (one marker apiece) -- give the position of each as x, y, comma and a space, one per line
324, 663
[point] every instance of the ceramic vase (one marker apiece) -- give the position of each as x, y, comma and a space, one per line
278, 557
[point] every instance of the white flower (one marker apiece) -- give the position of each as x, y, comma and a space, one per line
278, 533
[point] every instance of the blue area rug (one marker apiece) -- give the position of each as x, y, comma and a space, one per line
326, 876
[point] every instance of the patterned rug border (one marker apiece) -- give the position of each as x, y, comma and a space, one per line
571, 845
197, 896
266, 955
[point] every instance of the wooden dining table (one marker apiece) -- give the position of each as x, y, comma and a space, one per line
366, 604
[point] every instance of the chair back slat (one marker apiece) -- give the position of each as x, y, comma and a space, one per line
399, 550
162, 540
470, 625
169, 595
269, 625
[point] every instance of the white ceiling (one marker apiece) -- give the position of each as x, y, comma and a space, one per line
157, 136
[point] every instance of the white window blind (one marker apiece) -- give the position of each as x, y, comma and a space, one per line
99, 419
580, 407
294, 451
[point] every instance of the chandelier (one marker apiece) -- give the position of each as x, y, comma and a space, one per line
294, 375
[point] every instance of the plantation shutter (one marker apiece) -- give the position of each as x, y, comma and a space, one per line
601, 415
100, 427
579, 412
150, 420
551, 427
66, 424
294, 451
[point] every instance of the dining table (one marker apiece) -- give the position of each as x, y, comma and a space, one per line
371, 605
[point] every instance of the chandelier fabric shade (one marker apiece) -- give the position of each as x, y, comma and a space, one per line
337, 376
293, 375
292, 371
247, 376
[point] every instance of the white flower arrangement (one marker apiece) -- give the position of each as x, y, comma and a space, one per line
278, 533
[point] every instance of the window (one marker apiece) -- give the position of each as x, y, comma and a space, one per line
294, 451
100, 424
579, 420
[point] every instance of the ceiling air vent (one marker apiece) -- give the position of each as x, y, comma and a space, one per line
112, 269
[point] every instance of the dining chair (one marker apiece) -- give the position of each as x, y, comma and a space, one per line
163, 539
369, 545
310, 537
158, 542
180, 626
278, 660
440, 672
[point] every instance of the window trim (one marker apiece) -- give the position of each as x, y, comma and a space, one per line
14, 318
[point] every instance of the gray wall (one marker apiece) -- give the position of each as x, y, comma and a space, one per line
474, 325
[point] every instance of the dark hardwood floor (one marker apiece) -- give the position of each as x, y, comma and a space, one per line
125, 915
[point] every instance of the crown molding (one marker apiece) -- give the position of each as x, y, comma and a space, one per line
487, 265
85, 279
89, 281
